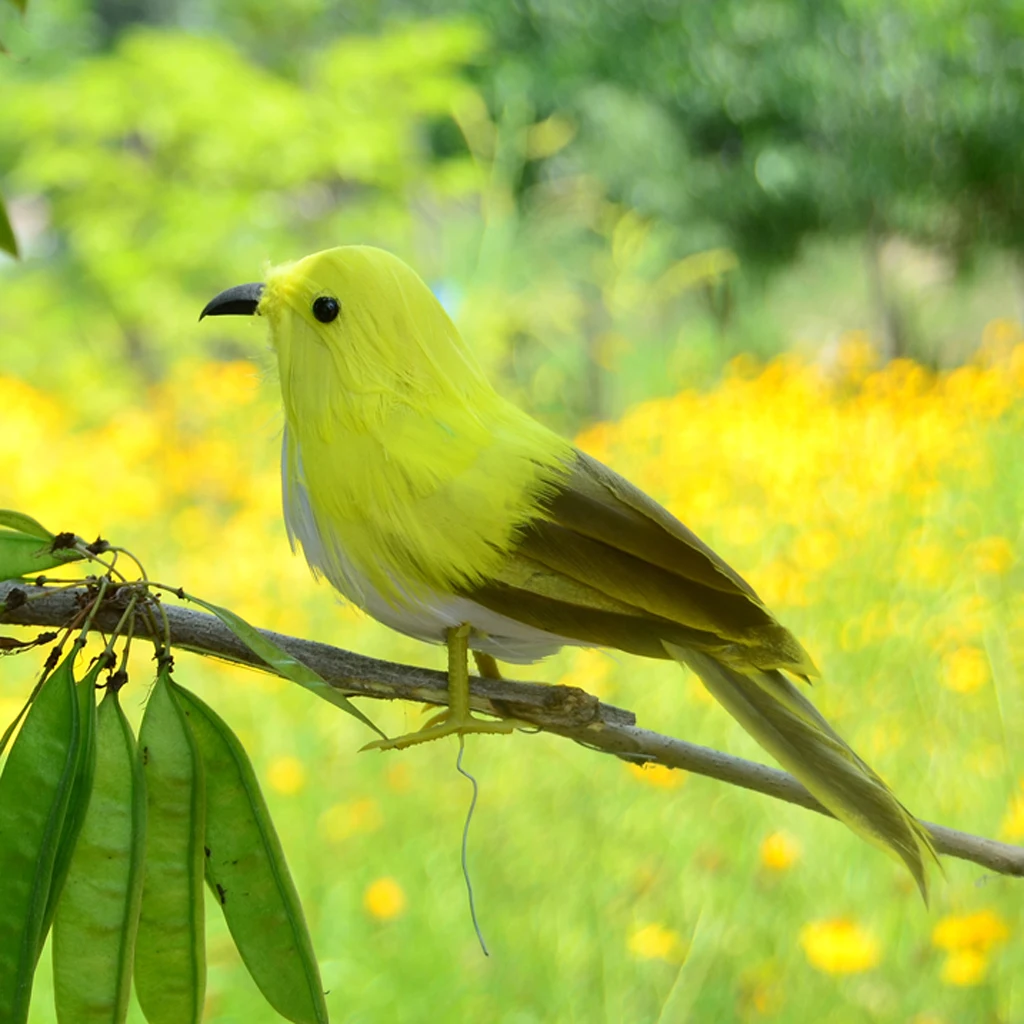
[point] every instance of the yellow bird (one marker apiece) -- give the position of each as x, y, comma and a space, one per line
451, 515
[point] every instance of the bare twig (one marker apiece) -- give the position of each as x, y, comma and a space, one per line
562, 710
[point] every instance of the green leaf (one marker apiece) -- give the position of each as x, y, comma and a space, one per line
170, 946
98, 915
282, 662
81, 790
22, 523
8, 243
23, 555
34, 792
247, 871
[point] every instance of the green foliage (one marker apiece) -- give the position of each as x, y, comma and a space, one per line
80, 796
172, 163
755, 125
109, 839
282, 662
172, 166
130, 829
95, 926
247, 872
35, 790
170, 948
25, 555
21, 523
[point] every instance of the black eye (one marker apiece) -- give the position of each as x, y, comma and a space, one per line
326, 308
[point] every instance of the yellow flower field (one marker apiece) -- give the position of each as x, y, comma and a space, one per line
877, 509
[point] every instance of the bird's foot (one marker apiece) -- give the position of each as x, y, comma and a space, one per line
448, 723
456, 719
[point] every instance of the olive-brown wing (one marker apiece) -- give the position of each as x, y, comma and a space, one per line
607, 565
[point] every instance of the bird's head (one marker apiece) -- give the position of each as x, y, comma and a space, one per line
355, 323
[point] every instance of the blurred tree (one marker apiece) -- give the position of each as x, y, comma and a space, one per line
8, 243
148, 173
158, 166
753, 125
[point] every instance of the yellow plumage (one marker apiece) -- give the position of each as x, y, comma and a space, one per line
407, 452
449, 514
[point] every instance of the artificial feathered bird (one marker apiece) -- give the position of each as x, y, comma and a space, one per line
451, 515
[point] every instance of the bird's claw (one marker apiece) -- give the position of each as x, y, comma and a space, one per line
447, 724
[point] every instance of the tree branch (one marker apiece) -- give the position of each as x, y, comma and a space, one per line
562, 710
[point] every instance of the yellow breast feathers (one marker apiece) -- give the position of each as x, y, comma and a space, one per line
416, 471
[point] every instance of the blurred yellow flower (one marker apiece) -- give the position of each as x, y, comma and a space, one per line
741, 524
974, 614
883, 737
398, 776
340, 821
286, 775
816, 550
231, 383
762, 989
856, 356
1012, 828
839, 946
780, 583
590, 671
384, 899
656, 942
993, 555
998, 340
980, 931
767, 999
987, 761
779, 851
965, 670
929, 563
964, 967
657, 775
744, 366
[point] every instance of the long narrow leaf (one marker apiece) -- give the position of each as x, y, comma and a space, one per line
282, 662
98, 915
24, 524
81, 791
246, 868
34, 792
170, 946
24, 555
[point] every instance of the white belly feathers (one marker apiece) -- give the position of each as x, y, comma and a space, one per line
425, 616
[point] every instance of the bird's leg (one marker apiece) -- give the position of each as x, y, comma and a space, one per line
456, 719
486, 665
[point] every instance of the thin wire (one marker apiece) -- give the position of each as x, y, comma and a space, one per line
465, 843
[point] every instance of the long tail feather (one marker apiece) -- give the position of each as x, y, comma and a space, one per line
792, 730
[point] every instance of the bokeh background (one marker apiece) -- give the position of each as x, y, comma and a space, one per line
763, 258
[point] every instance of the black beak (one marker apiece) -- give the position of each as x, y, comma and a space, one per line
241, 300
